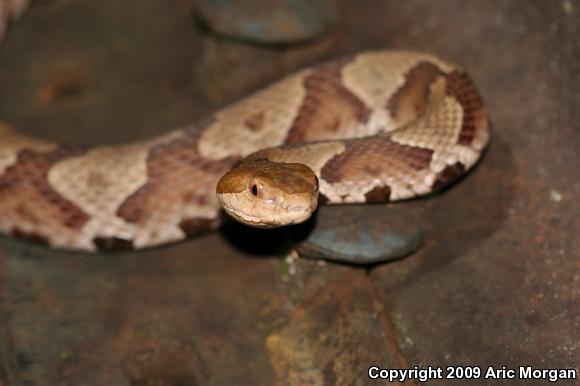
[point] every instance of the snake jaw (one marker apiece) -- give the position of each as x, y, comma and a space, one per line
264, 214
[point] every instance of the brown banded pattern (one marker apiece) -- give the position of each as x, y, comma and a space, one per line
377, 126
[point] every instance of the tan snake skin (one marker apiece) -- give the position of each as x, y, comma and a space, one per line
378, 126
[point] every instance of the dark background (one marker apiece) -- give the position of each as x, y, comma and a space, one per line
498, 282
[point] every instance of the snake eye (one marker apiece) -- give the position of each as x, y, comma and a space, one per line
254, 189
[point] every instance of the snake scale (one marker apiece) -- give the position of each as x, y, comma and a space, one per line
373, 127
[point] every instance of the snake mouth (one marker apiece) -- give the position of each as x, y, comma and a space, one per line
295, 216
261, 217
298, 209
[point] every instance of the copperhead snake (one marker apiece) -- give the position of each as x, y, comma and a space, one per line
373, 127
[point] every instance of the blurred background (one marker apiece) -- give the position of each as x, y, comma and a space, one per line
497, 283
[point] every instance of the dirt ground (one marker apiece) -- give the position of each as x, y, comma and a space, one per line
497, 283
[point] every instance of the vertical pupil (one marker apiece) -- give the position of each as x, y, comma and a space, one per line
255, 190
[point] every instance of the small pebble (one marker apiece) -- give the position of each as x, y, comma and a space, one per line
555, 195
268, 21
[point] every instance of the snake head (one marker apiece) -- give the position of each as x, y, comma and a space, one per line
266, 194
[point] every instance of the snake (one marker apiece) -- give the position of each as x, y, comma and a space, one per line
373, 127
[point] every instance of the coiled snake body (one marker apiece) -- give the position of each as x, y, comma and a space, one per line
374, 127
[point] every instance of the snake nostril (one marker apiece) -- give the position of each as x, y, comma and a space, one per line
254, 189
316, 184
